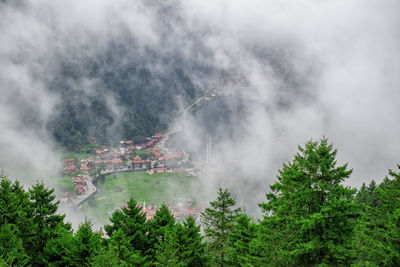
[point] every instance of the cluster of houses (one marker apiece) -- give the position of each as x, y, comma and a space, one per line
182, 210
154, 160
80, 186
178, 209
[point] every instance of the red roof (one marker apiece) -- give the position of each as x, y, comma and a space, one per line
137, 159
117, 161
69, 160
78, 179
158, 169
71, 168
84, 169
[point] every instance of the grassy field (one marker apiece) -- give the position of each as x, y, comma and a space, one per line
157, 188
65, 184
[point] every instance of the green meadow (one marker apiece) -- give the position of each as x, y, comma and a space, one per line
117, 188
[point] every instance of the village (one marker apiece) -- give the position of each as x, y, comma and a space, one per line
179, 210
152, 157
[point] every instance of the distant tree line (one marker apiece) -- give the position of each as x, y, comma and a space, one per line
309, 218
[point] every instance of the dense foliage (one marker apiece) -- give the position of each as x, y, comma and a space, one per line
310, 218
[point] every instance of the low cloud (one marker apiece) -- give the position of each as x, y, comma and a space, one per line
302, 69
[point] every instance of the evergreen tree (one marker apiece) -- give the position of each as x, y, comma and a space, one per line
15, 208
107, 258
367, 195
12, 251
377, 240
57, 247
310, 216
86, 244
182, 245
218, 222
239, 241
167, 251
191, 247
162, 221
132, 222
45, 219
120, 244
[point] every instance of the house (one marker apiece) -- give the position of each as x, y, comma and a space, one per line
148, 164
157, 170
68, 162
129, 143
138, 163
70, 169
81, 191
79, 180
117, 163
79, 186
108, 164
97, 163
99, 154
84, 169
158, 136
86, 163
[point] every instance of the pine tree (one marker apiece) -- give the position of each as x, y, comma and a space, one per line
182, 245
239, 241
12, 251
45, 218
367, 195
132, 222
167, 251
86, 244
218, 222
162, 221
310, 215
377, 239
15, 208
120, 244
107, 258
57, 247
191, 247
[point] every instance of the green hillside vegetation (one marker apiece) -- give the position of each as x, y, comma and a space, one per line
310, 218
154, 189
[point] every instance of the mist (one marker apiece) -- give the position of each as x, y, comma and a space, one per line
286, 72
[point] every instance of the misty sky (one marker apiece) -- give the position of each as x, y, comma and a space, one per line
308, 68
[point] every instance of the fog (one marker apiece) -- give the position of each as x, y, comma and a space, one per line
302, 69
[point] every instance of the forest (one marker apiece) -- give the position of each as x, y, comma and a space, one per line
310, 218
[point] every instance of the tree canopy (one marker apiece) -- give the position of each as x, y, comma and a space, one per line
309, 218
